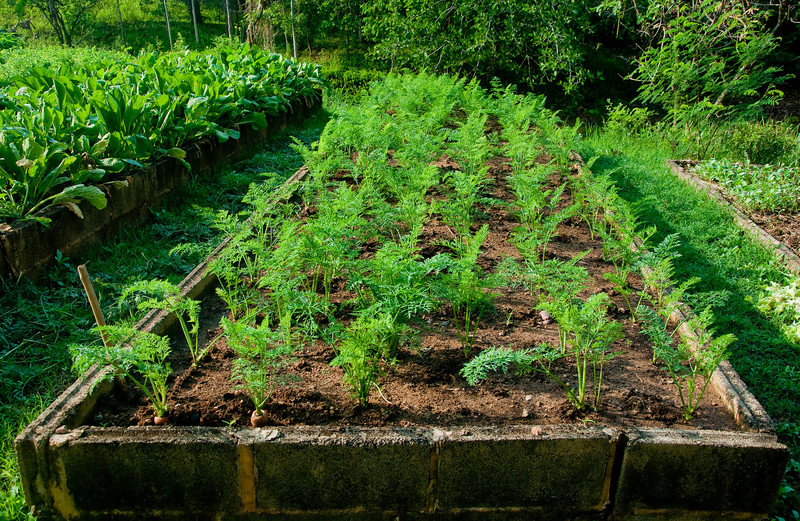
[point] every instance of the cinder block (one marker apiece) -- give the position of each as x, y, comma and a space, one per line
560, 468
138, 469
714, 472
317, 469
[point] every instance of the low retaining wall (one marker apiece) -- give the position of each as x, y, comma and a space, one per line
523, 472
518, 472
29, 246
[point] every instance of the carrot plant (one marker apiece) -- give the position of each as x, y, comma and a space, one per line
261, 353
466, 287
160, 294
690, 363
590, 334
333, 237
531, 198
366, 343
658, 276
396, 283
539, 359
139, 356
535, 238
656, 330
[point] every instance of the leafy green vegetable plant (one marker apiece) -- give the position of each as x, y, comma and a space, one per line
64, 127
782, 304
756, 188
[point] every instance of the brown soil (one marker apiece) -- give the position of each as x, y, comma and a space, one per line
784, 227
423, 387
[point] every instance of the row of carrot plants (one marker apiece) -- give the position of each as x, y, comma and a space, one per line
62, 130
373, 181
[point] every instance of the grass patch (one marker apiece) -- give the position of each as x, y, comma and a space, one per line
38, 322
733, 269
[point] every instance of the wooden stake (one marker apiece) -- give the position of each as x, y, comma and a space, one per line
93, 302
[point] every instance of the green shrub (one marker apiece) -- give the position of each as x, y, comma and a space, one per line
9, 41
352, 81
622, 118
763, 142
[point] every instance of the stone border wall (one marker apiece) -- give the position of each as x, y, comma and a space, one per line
27, 247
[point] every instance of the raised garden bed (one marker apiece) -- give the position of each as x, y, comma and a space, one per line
516, 447
27, 247
776, 230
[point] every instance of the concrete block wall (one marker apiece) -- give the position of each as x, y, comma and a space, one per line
517, 472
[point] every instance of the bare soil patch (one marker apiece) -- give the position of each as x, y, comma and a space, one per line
423, 387
784, 227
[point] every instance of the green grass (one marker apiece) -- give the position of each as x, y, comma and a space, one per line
733, 269
38, 322
143, 23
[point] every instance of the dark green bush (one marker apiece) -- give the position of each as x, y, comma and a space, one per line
352, 81
762, 143
9, 40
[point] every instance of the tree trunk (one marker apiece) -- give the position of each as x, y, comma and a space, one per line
294, 40
54, 17
228, 20
195, 11
121, 28
169, 29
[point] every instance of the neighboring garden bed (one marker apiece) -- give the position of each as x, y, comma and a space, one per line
772, 214
769, 196
71, 137
439, 237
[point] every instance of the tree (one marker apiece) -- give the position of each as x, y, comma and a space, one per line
706, 58
528, 42
64, 16
294, 20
